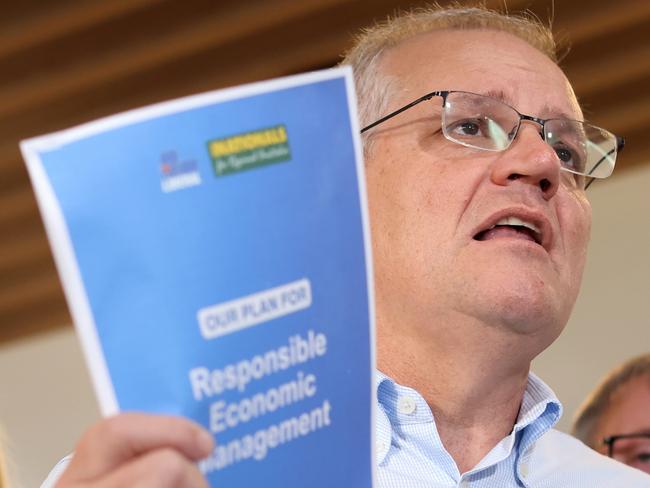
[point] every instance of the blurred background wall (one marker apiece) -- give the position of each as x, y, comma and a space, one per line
63, 62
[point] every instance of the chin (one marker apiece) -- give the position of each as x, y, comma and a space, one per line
527, 307
544, 322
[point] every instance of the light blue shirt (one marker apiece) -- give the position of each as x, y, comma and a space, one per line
534, 455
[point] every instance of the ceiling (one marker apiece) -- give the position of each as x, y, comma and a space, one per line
64, 62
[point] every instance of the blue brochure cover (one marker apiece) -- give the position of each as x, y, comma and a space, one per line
214, 251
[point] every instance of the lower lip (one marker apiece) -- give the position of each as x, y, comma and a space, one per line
514, 241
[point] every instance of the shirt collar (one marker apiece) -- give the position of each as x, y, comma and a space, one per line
383, 428
538, 400
540, 410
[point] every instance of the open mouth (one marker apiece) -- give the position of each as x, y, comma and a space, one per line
511, 227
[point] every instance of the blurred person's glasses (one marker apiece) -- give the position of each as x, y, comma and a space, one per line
483, 122
631, 449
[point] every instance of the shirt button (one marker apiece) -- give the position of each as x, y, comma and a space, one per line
406, 405
523, 470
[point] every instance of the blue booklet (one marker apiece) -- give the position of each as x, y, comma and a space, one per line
214, 252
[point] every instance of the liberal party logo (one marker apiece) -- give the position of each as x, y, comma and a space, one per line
176, 174
249, 150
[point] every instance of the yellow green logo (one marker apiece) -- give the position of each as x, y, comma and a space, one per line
249, 150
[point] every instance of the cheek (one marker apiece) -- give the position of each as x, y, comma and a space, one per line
407, 193
580, 225
385, 204
575, 223
398, 183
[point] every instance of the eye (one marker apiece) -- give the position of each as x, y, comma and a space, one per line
570, 158
480, 131
469, 128
643, 457
564, 154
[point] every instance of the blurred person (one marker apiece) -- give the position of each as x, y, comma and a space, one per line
615, 417
477, 159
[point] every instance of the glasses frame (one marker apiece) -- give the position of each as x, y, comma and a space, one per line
620, 141
611, 440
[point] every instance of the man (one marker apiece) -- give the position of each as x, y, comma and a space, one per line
615, 418
480, 228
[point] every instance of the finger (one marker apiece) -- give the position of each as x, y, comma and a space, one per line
162, 468
119, 439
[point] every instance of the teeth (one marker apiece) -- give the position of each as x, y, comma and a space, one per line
516, 221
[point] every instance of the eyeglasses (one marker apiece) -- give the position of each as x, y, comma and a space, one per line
631, 449
485, 123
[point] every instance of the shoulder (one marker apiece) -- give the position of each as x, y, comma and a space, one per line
561, 460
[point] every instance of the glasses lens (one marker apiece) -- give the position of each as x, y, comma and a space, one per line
633, 451
478, 121
582, 148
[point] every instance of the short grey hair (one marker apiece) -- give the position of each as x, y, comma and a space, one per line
585, 423
374, 89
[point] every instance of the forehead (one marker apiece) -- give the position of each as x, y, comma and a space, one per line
481, 61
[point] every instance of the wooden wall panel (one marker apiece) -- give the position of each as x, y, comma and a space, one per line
64, 62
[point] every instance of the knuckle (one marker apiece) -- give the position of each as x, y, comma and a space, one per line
93, 435
114, 428
110, 428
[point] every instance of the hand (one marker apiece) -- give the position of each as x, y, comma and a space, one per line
139, 450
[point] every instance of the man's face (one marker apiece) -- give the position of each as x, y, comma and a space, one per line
628, 413
431, 200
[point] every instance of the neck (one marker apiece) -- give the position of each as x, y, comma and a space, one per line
473, 377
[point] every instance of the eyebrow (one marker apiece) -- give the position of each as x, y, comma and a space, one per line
640, 432
502, 96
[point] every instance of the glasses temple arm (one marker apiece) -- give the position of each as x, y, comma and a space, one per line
609, 442
620, 143
426, 97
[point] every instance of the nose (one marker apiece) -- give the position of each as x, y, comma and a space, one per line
529, 160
